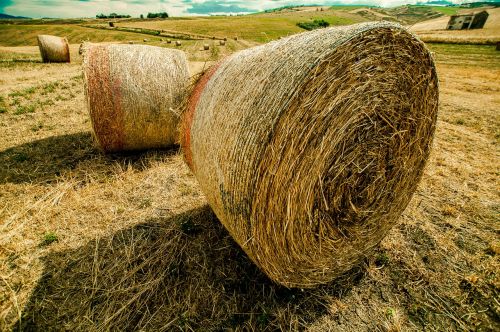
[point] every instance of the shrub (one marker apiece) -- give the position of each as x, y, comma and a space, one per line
316, 24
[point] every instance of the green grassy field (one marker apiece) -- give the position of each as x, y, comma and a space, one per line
470, 55
25, 35
259, 28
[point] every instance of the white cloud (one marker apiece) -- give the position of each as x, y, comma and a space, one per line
89, 8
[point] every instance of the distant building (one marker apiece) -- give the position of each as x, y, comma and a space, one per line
468, 21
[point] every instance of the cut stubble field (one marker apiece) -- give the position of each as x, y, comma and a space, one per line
127, 242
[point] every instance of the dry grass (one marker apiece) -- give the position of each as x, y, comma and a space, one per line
163, 260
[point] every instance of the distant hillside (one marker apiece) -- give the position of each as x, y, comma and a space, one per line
7, 16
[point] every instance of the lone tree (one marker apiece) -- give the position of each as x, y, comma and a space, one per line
156, 15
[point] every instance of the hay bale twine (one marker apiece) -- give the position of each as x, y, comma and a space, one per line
178, 43
206, 47
53, 48
133, 95
309, 148
222, 43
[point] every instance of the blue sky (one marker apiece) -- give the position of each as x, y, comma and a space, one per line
89, 8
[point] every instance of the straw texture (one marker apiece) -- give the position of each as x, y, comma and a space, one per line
133, 95
309, 148
53, 48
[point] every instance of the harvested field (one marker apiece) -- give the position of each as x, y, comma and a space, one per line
127, 242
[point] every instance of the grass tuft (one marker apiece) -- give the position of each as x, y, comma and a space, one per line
49, 238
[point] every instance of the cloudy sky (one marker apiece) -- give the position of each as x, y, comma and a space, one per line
89, 8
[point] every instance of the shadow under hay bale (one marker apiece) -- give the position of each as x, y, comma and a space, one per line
182, 272
309, 148
53, 48
133, 94
48, 159
45, 159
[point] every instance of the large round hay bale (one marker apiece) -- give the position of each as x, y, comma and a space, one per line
133, 95
53, 48
309, 148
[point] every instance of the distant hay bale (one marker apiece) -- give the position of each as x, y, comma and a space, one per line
53, 48
178, 43
133, 94
130, 42
225, 38
236, 38
206, 47
222, 43
145, 40
111, 24
309, 148
169, 41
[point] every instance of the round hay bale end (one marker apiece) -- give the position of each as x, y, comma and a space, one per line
236, 38
178, 43
309, 148
206, 47
133, 95
53, 48
222, 43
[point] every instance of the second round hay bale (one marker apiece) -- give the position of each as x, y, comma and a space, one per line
53, 48
309, 148
133, 94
